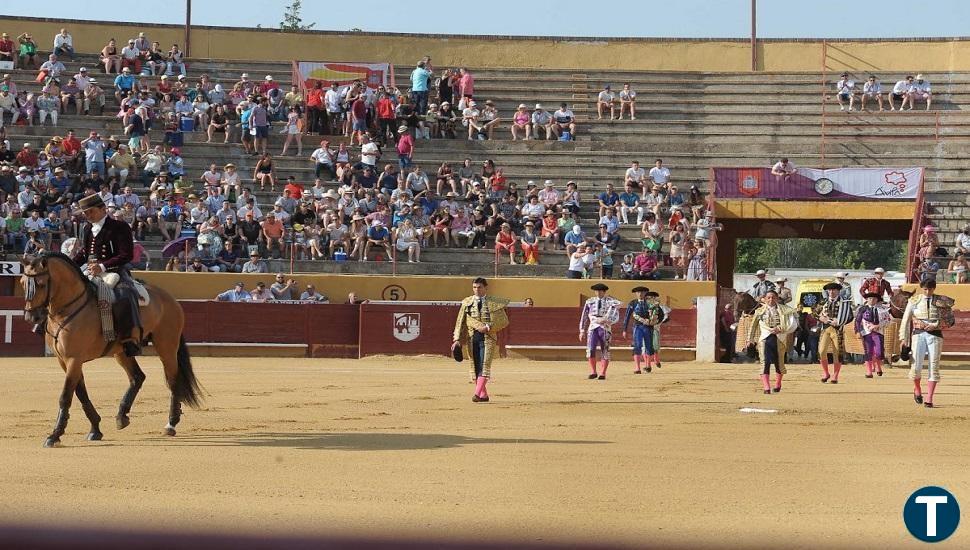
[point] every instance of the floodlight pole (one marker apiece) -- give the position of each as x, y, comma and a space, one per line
188, 24
754, 35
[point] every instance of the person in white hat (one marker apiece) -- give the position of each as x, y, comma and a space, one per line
542, 120
521, 122
761, 286
469, 119
846, 293
267, 85
877, 285
920, 90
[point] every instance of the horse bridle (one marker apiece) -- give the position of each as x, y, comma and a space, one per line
31, 291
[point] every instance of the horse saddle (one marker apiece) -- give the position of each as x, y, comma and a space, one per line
111, 280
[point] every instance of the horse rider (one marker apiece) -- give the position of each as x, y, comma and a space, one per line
762, 286
106, 247
877, 284
846, 292
784, 293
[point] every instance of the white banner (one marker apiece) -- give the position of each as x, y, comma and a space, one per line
343, 73
10, 269
871, 183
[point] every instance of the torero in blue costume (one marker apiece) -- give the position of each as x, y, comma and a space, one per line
646, 316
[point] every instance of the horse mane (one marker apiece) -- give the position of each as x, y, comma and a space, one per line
73, 266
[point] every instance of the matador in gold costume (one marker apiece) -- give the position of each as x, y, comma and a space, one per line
480, 319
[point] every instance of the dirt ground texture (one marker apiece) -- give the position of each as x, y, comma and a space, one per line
394, 447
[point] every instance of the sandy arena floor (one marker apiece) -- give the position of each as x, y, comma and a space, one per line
394, 446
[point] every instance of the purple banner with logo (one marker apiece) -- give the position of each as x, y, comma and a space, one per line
813, 184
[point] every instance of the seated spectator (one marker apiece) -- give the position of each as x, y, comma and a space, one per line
196, 266
920, 90
47, 105
7, 50
550, 233
629, 201
261, 294
872, 89
51, 70
27, 51
565, 121
783, 168
489, 119
228, 259
542, 120
626, 267
255, 264
628, 102
236, 294
550, 196
645, 265
311, 295
461, 227
635, 175
900, 92
283, 289
962, 240
605, 100
574, 238
353, 300
845, 92
571, 198
377, 236
521, 123
8, 104
959, 270
408, 238
607, 199
530, 244
660, 174
272, 234
505, 242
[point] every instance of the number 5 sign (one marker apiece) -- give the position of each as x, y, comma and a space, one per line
395, 293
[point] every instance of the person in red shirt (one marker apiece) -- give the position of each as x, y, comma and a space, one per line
26, 157
386, 118
358, 120
877, 285
498, 183
505, 242
6, 49
295, 189
267, 85
71, 147
405, 148
315, 111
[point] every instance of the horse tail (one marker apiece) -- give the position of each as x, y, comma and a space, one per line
186, 389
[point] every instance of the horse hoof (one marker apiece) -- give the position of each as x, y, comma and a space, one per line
123, 422
95, 436
170, 432
52, 442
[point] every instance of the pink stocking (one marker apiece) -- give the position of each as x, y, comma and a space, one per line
825, 366
878, 363
636, 362
592, 363
932, 390
838, 367
778, 376
480, 386
764, 382
869, 368
645, 359
604, 364
917, 390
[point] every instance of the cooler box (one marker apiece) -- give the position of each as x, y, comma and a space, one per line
340, 256
565, 136
187, 125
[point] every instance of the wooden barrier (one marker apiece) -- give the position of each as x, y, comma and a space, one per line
406, 329
16, 338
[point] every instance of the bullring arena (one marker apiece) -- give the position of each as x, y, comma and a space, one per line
349, 424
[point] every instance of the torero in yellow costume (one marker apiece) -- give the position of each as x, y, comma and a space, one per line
480, 319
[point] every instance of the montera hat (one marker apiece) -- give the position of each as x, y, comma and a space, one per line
599, 286
832, 286
640, 289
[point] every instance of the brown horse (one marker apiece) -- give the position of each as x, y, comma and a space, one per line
56, 290
897, 302
744, 304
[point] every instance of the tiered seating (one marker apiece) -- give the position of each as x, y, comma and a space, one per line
692, 120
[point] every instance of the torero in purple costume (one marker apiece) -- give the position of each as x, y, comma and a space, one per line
870, 320
600, 313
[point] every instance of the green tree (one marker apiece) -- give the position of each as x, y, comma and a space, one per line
292, 20
754, 254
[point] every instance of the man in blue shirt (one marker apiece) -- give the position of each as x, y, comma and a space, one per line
236, 294
629, 200
608, 199
124, 82
377, 235
419, 88
574, 238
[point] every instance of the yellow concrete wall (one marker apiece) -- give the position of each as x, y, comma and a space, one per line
551, 52
814, 210
545, 292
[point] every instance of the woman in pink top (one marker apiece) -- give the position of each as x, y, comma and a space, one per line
522, 120
466, 84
